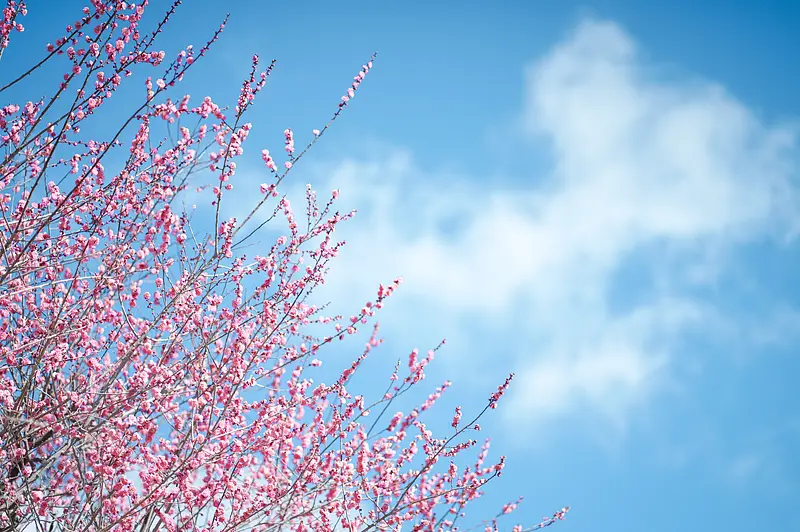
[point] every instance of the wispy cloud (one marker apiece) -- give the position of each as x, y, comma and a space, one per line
598, 267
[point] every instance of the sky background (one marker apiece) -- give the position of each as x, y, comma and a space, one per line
602, 197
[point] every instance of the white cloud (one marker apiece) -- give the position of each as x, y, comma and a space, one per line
673, 170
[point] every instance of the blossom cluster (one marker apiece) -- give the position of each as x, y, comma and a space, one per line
155, 377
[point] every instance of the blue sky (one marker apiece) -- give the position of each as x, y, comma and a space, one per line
602, 197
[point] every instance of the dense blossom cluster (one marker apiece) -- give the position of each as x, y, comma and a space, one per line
152, 378
10, 22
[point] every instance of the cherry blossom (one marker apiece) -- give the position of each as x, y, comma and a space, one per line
157, 377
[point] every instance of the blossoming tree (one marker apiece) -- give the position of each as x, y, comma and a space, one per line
155, 378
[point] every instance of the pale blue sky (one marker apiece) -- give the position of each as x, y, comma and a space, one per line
599, 196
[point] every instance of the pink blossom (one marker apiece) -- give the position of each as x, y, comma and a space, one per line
161, 369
